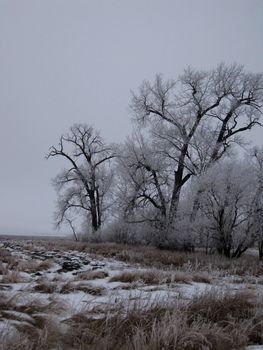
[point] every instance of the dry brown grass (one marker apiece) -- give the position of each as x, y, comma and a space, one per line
168, 327
67, 287
46, 264
71, 287
32, 266
201, 278
156, 277
14, 262
4, 254
36, 306
150, 277
92, 275
211, 321
218, 307
13, 277
216, 321
42, 334
45, 287
18, 303
30, 324
162, 259
7, 258
93, 290
129, 277
153, 257
32, 320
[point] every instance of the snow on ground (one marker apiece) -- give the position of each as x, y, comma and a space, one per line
61, 280
105, 292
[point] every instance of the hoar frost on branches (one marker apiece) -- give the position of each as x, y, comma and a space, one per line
189, 124
84, 186
183, 128
226, 208
257, 205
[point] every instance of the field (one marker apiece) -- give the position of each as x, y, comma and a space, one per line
57, 294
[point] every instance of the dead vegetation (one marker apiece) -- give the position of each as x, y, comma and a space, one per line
221, 307
70, 287
16, 269
157, 277
92, 275
13, 277
42, 333
49, 287
147, 256
8, 259
150, 277
201, 324
33, 266
212, 320
45, 287
28, 325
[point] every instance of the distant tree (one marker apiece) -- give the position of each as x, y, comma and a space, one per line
190, 124
84, 185
257, 205
143, 182
226, 207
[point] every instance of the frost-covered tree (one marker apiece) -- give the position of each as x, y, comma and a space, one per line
144, 182
226, 208
83, 187
257, 205
191, 123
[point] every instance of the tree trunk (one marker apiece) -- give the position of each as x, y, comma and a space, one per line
260, 249
174, 206
179, 181
93, 210
98, 208
196, 205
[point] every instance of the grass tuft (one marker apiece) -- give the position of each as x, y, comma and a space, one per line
70, 287
92, 275
151, 277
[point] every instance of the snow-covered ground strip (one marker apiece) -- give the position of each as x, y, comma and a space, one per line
61, 284
111, 267
69, 267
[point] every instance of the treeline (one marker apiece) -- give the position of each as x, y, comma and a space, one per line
176, 182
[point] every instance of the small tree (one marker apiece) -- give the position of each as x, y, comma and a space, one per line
226, 204
258, 199
84, 185
143, 182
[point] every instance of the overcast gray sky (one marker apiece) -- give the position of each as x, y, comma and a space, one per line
67, 61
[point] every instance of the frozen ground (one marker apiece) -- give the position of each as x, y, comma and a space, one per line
32, 272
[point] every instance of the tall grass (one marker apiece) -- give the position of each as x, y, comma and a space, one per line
216, 321
210, 321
